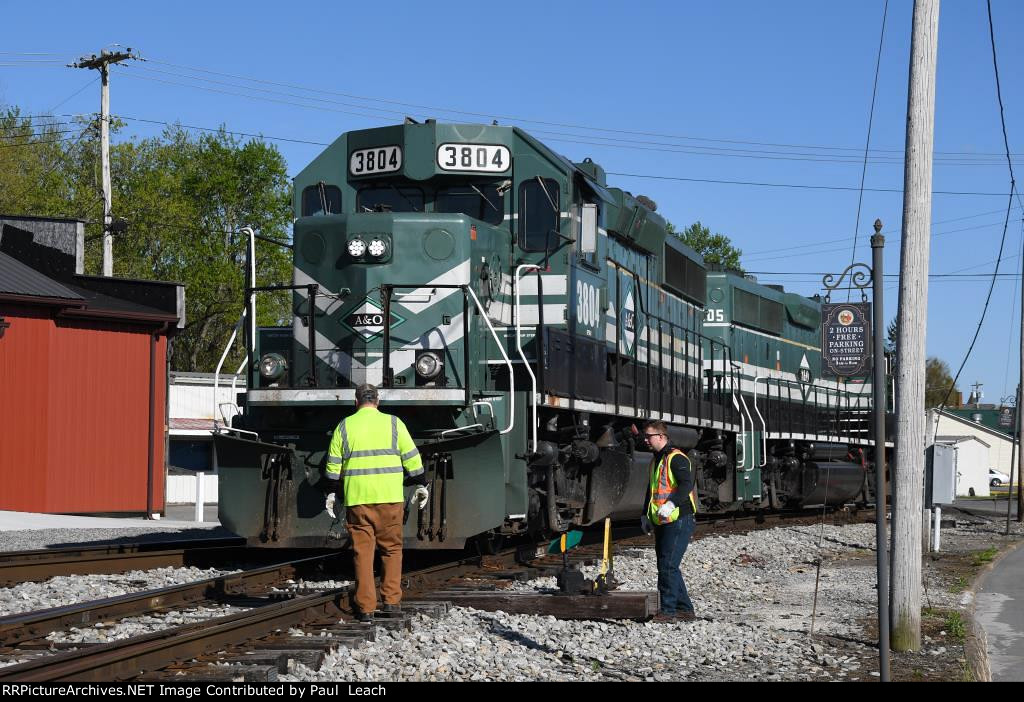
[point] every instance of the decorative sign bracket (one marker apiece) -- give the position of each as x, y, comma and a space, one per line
859, 279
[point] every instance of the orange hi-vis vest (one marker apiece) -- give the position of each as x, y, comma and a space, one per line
663, 485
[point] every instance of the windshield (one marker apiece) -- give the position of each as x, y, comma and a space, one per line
389, 198
481, 202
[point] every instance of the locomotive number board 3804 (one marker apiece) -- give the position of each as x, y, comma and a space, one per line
380, 159
479, 158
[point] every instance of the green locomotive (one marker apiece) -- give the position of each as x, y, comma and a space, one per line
523, 319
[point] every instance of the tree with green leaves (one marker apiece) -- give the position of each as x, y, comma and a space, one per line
183, 199
937, 382
715, 248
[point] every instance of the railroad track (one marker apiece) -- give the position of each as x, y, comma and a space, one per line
253, 638
252, 642
26, 566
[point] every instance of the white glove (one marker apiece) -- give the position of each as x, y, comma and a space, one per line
421, 496
665, 511
329, 505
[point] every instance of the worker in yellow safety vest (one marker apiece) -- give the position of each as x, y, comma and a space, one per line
670, 511
370, 458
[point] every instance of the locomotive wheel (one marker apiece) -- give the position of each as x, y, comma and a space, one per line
489, 544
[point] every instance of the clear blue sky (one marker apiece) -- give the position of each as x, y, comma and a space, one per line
743, 91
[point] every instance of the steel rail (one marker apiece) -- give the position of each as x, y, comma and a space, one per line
24, 566
28, 626
122, 660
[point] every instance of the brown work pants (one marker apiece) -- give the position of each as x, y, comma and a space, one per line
372, 527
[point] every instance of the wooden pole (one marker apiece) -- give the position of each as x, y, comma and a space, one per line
1018, 431
913, 313
102, 64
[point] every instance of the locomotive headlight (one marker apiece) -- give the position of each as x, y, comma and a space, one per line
273, 366
356, 248
378, 247
428, 365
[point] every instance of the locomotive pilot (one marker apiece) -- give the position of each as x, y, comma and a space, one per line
370, 457
670, 510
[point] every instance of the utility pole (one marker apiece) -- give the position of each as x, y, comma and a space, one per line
1019, 438
102, 64
878, 405
913, 313
977, 393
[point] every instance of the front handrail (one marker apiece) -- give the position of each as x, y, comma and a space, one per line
508, 362
312, 290
764, 424
467, 292
519, 347
387, 292
220, 365
743, 429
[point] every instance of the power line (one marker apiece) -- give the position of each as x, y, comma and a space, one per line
41, 134
491, 115
798, 186
632, 144
36, 143
74, 94
226, 131
867, 142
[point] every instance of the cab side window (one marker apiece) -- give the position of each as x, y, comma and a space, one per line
321, 199
538, 214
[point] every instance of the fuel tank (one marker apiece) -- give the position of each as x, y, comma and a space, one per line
826, 482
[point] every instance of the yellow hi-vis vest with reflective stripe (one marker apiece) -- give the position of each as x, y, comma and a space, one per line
663, 484
372, 452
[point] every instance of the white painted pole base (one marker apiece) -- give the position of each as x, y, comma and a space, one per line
200, 496
937, 531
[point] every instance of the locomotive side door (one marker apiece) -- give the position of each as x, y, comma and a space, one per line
588, 300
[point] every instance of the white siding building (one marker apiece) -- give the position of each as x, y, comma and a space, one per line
1000, 444
972, 463
193, 403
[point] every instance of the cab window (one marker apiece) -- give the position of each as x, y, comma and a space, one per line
481, 202
538, 214
321, 199
389, 198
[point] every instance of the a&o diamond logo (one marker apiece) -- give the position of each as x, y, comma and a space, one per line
367, 319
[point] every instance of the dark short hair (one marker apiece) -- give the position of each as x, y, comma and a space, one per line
657, 424
366, 393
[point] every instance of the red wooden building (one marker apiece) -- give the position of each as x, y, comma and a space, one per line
83, 377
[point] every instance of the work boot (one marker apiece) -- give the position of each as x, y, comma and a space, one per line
665, 618
364, 617
686, 616
390, 607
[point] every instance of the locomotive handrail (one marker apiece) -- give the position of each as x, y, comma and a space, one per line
251, 346
220, 364
743, 430
743, 403
764, 424
508, 362
537, 338
312, 290
388, 289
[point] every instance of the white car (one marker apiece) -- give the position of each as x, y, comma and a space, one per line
997, 478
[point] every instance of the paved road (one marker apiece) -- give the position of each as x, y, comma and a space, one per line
999, 609
993, 508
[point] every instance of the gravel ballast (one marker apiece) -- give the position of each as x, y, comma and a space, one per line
757, 589
72, 589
